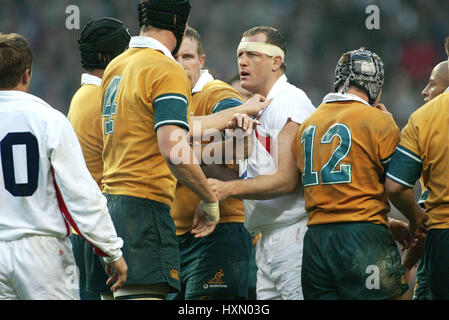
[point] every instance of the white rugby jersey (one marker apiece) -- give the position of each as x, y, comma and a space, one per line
45, 186
289, 102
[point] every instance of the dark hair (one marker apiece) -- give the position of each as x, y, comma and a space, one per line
194, 35
169, 15
15, 59
274, 37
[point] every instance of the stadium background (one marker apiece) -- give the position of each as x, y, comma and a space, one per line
410, 41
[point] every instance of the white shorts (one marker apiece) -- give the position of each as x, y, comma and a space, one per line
279, 261
38, 268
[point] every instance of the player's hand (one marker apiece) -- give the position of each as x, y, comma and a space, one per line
244, 122
201, 225
418, 228
119, 271
400, 232
255, 105
382, 108
221, 188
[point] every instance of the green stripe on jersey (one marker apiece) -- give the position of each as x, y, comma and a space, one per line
170, 109
405, 167
226, 104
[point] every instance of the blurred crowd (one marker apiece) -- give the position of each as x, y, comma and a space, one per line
410, 40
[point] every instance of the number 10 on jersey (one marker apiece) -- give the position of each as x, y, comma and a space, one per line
329, 174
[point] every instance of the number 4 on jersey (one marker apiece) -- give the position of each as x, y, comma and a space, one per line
109, 105
328, 173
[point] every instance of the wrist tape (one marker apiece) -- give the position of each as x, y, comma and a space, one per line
212, 209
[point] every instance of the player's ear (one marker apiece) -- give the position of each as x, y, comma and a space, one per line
26, 77
378, 98
202, 61
276, 63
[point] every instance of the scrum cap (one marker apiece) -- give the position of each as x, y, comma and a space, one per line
364, 69
166, 14
101, 40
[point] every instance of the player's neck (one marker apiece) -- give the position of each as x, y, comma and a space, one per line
19, 87
165, 37
96, 72
268, 85
24, 83
357, 92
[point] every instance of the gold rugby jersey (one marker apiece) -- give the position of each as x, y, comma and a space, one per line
424, 150
215, 96
142, 89
85, 117
341, 150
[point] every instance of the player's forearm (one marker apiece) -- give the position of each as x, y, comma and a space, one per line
219, 172
264, 187
185, 167
224, 151
412, 255
182, 162
193, 178
403, 199
216, 121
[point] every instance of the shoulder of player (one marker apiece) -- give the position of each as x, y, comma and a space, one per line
218, 86
87, 89
376, 116
153, 58
431, 109
41, 109
141, 61
358, 112
36, 103
85, 96
291, 97
291, 93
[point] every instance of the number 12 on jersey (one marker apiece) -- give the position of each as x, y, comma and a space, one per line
328, 173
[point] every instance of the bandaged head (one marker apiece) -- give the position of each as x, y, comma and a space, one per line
262, 47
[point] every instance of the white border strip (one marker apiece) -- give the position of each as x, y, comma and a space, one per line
170, 97
409, 154
389, 175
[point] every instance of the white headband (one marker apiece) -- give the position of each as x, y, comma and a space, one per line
268, 49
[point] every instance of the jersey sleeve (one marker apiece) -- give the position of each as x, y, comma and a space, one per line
389, 138
302, 110
171, 97
297, 108
224, 99
406, 165
80, 199
296, 145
